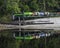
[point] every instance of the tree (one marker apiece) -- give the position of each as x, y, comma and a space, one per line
51, 5
13, 6
34, 5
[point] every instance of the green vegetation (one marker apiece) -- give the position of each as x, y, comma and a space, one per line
9, 7
7, 41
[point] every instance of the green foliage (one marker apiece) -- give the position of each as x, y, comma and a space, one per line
51, 42
34, 6
26, 8
7, 7
6, 18
6, 40
17, 6
12, 6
